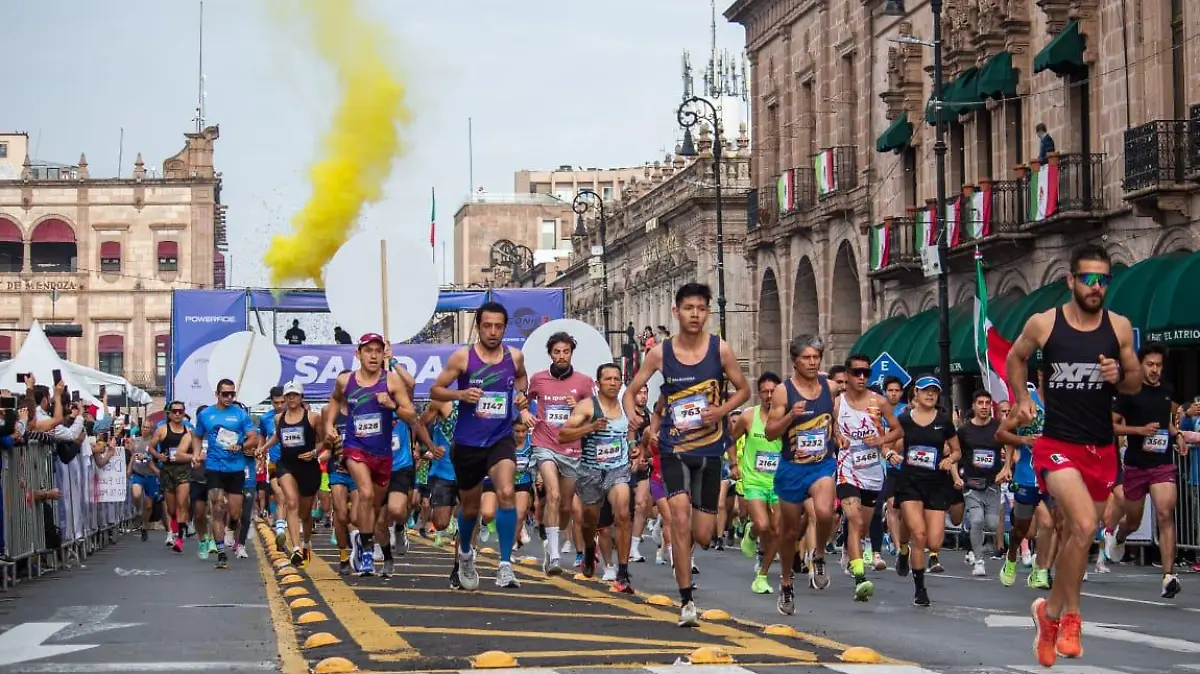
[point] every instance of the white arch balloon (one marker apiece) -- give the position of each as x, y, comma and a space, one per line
250, 360
591, 349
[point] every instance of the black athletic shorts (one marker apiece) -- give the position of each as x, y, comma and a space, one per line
889, 484
402, 481
307, 475
472, 464
231, 482
197, 492
697, 476
934, 490
867, 497
442, 493
639, 475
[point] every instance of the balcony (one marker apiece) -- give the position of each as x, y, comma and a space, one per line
1194, 153
901, 256
835, 175
1068, 190
993, 211
762, 213
1156, 167
795, 196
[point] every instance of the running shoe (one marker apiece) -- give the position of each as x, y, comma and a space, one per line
455, 582
505, 576
748, 545
921, 598
1070, 629
240, 552
863, 590
1102, 564
1039, 579
818, 579
170, 539
366, 562
212, 546
222, 560
343, 567
579, 560
388, 568
979, 569
623, 584
935, 564
402, 544
1008, 573
761, 585
610, 574
202, 548
1045, 634
1170, 586
178, 547
552, 566
688, 615
880, 563
145, 534
468, 575
786, 604
1114, 548
281, 540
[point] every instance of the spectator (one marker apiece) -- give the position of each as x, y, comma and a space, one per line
341, 336
1045, 142
295, 335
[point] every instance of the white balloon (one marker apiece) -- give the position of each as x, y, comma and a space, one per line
191, 383
591, 349
652, 389
263, 366
354, 291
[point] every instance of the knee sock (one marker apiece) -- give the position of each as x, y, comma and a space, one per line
466, 532
506, 529
552, 546
877, 530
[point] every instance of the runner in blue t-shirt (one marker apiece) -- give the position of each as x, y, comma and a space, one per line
1028, 500
230, 432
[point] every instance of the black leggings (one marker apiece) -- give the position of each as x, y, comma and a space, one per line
877, 527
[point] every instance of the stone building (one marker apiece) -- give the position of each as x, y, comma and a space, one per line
106, 253
660, 235
840, 103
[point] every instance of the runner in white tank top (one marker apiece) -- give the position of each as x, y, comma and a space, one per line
859, 464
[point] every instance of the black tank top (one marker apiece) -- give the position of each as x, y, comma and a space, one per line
295, 439
170, 443
1078, 400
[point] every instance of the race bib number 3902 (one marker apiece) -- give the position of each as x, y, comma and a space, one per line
686, 412
492, 405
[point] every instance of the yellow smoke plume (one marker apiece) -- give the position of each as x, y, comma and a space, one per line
359, 148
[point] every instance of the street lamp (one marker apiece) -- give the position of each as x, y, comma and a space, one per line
896, 8
585, 199
689, 118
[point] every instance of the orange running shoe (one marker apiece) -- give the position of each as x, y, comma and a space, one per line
1045, 633
1070, 629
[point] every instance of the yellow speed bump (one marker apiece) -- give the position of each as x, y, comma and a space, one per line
781, 631
285, 570
280, 561
861, 655
291, 580
710, 655
295, 592
311, 617
530, 561
493, 660
321, 639
715, 614
659, 600
487, 551
302, 602
334, 666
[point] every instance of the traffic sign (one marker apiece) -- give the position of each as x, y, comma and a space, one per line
885, 366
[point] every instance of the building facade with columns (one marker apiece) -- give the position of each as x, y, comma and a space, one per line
844, 154
106, 253
660, 235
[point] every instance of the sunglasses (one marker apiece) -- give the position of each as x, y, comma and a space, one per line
1093, 278
227, 394
176, 411
860, 371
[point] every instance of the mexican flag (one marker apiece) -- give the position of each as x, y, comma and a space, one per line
880, 247
926, 234
785, 191
823, 169
954, 220
432, 217
1043, 192
991, 350
981, 213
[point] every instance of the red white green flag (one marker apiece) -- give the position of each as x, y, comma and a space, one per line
823, 169
1043, 192
991, 349
981, 213
432, 217
880, 247
785, 191
953, 219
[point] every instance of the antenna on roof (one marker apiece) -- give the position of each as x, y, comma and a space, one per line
199, 118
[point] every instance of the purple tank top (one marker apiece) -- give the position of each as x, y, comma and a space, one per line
369, 424
491, 419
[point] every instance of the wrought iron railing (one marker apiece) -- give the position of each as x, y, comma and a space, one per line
806, 188
1156, 154
1081, 183
1194, 162
752, 210
844, 171
768, 206
902, 245
1010, 205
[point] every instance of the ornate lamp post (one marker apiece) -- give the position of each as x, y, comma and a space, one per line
688, 118
587, 198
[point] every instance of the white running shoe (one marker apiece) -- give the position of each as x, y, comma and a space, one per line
523, 535
229, 539
504, 576
1102, 564
378, 553
1112, 547
1170, 586
980, 569
468, 575
610, 574
970, 560
170, 539
689, 616
241, 552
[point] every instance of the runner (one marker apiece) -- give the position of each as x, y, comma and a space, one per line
142, 475
893, 390
491, 380
1147, 420
441, 417
266, 429
803, 416
695, 366
925, 487
859, 414
604, 468
1029, 502
374, 397
1088, 357
171, 445
231, 434
555, 392
754, 469
984, 468
343, 492
643, 504
298, 468
391, 526
523, 484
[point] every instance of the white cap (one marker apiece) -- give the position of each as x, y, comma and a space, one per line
293, 387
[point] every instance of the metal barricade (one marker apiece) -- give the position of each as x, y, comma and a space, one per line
1187, 508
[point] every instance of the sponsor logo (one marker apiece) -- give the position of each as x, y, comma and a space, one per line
1059, 459
1075, 377
526, 320
209, 319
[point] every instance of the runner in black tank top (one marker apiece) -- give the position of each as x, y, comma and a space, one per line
299, 468
172, 445
1087, 357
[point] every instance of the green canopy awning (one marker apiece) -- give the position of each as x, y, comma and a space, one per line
962, 336
947, 96
870, 341
899, 342
1173, 317
1037, 301
997, 77
1132, 290
924, 356
896, 136
1064, 54
964, 95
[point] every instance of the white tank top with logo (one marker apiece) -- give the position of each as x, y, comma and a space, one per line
858, 464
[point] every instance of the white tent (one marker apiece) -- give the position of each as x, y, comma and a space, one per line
37, 355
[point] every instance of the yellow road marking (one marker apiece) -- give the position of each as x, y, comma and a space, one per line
507, 611
371, 632
556, 636
530, 655
281, 618
484, 593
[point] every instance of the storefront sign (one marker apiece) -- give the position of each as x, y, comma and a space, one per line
39, 286
1175, 337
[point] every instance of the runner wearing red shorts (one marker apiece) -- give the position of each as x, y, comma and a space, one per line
1087, 358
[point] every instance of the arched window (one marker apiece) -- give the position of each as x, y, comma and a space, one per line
168, 256
12, 248
111, 350
52, 247
162, 347
110, 257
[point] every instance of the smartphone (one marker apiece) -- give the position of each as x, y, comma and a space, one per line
75, 396
23, 377
8, 403
56, 375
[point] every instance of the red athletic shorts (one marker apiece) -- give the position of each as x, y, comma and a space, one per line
1096, 463
380, 466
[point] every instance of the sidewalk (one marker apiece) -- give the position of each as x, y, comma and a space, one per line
140, 607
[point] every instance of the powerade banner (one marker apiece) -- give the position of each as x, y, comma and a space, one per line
317, 367
199, 318
528, 308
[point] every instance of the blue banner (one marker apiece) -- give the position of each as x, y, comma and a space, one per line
529, 308
200, 317
313, 300
317, 367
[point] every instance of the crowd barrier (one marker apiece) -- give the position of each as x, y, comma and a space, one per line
47, 534
1187, 508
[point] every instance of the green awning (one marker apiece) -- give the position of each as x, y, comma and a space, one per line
997, 78
1173, 318
900, 343
1131, 292
1037, 301
964, 95
870, 341
962, 336
897, 135
924, 356
1064, 54
947, 96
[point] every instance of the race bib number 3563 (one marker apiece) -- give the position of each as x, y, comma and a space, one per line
1158, 442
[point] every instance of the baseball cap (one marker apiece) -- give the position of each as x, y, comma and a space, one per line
293, 387
926, 382
369, 337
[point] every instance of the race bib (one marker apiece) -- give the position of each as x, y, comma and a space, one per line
686, 412
766, 462
522, 463
984, 458
368, 425
226, 438
609, 452
292, 436
922, 457
171, 453
247, 474
395, 442
492, 405
557, 415
864, 458
1158, 442
811, 444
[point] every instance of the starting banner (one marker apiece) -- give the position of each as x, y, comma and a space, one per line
317, 367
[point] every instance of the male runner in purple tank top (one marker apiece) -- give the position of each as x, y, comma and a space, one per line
372, 396
491, 381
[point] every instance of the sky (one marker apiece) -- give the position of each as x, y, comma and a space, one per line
546, 82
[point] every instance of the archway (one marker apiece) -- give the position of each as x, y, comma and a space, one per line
845, 308
770, 327
806, 317
12, 246
52, 246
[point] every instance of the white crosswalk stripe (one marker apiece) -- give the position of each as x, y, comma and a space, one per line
840, 668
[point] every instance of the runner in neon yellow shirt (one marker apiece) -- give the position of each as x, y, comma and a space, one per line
754, 460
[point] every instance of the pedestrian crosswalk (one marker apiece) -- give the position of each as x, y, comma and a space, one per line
838, 668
